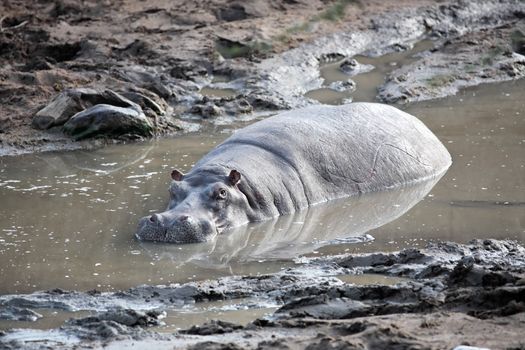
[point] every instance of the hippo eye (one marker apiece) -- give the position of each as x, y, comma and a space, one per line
221, 194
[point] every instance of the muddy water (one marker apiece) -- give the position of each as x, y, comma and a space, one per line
368, 278
368, 82
67, 219
216, 90
240, 311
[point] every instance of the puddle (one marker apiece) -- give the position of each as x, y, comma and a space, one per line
368, 82
236, 311
370, 278
239, 311
329, 96
217, 92
50, 319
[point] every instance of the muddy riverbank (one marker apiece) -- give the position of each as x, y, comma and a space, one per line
477, 286
180, 66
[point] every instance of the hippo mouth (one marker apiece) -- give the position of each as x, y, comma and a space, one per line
181, 231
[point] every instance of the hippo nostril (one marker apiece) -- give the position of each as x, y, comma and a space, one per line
184, 218
154, 218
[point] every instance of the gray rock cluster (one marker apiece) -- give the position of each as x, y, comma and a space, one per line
87, 112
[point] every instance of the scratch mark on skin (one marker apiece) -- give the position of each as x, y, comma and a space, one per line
376, 157
372, 171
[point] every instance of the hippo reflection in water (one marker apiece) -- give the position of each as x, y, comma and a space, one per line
346, 220
293, 160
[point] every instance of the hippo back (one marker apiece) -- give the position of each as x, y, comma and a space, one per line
321, 152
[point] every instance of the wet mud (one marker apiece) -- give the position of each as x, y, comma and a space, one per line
169, 61
478, 285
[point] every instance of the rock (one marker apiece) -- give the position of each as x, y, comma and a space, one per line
140, 49
518, 42
238, 106
467, 273
159, 88
217, 59
343, 86
13, 313
125, 317
213, 327
241, 10
234, 12
62, 8
5, 124
72, 101
108, 120
262, 101
326, 307
187, 70
144, 102
207, 110
331, 57
351, 67
210, 345
112, 324
57, 112
87, 112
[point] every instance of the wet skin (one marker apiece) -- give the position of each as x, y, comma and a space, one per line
198, 209
290, 161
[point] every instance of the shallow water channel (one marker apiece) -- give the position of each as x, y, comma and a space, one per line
67, 219
366, 82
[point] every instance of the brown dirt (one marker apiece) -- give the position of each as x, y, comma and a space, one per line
46, 47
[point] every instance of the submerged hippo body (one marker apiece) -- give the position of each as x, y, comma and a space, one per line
295, 159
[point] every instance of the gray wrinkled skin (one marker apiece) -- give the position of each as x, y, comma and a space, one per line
293, 160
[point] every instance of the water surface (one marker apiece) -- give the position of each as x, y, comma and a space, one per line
368, 82
67, 219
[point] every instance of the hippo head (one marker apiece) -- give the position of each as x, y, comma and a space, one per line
200, 206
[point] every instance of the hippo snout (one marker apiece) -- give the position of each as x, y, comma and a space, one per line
169, 228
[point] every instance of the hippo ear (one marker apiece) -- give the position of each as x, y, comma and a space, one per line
234, 177
176, 175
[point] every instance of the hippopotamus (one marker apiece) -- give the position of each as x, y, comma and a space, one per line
293, 160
